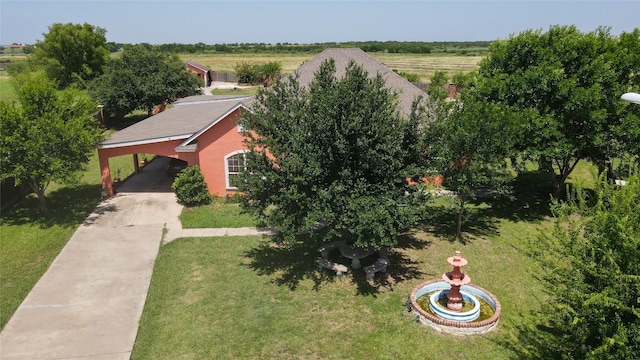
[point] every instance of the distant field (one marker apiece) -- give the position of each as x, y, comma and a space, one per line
226, 62
423, 65
426, 65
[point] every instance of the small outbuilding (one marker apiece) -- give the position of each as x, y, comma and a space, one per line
202, 71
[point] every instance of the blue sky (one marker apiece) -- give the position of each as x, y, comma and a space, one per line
310, 21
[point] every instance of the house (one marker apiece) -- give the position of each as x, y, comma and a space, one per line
202, 71
205, 130
201, 130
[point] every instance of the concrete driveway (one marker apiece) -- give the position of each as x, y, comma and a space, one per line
89, 302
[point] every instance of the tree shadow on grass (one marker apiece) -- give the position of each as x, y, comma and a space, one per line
119, 123
441, 222
68, 207
529, 201
294, 262
291, 262
530, 341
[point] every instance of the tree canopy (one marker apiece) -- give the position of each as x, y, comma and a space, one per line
468, 141
140, 79
72, 53
50, 136
573, 81
335, 153
258, 73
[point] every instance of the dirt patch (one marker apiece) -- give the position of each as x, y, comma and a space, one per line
224, 86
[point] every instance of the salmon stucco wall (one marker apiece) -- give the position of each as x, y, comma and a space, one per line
216, 143
165, 148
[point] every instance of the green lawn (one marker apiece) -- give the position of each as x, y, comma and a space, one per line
242, 298
218, 214
7, 93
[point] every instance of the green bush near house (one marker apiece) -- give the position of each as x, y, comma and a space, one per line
190, 187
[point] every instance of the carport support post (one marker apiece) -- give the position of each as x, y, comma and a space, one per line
106, 173
136, 166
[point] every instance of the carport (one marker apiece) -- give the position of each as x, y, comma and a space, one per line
201, 130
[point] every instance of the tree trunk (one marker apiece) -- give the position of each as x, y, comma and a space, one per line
546, 165
557, 193
460, 215
39, 190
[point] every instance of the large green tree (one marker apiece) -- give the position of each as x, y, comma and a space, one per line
335, 153
468, 141
573, 81
593, 275
140, 79
72, 53
49, 136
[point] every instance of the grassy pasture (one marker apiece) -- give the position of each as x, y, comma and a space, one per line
423, 65
426, 65
227, 62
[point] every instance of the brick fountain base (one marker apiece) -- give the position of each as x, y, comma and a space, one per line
451, 326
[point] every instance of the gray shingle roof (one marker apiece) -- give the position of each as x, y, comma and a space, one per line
407, 92
198, 66
187, 117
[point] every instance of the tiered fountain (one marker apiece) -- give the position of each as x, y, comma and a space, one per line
452, 305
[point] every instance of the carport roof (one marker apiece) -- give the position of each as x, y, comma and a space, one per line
187, 117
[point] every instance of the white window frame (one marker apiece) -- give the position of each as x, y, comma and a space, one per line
226, 167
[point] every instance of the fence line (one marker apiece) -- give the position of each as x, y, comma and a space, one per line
420, 85
224, 76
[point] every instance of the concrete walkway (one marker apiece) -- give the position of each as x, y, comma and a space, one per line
89, 302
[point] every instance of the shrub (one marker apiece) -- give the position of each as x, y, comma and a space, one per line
412, 77
592, 272
247, 73
190, 187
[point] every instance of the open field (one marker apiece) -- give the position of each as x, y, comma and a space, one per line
426, 65
422, 65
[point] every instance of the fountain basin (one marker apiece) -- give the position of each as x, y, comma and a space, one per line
450, 326
444, 313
